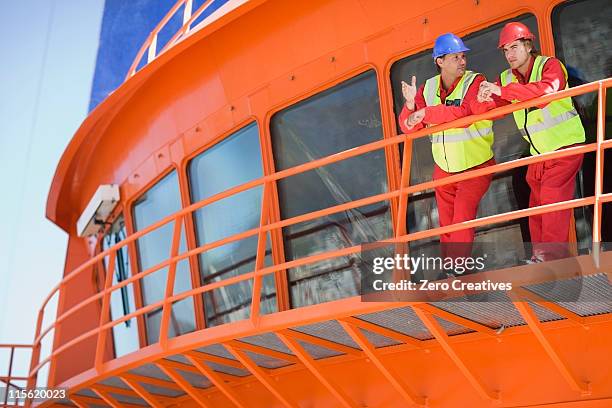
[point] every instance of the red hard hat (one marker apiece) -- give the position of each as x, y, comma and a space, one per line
514, 31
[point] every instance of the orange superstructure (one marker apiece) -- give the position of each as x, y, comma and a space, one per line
222, 276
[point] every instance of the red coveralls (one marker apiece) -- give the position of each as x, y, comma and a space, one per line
457, 202
550, 181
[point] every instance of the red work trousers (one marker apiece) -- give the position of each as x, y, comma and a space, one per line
458, 202
551, 181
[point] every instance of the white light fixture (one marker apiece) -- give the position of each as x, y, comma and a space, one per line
97, 211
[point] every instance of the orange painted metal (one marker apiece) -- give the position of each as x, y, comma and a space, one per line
297, 335
212, 358
440, 334
409, 396
262, 376
170, 280
383, 331
216, 380
310, 363
599, 162
536, 326
259, 102
525, 295
105, 311
142, 392
262, 238
186, 386
461, 321
106, 397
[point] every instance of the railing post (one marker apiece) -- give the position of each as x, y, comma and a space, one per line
262, 238
170, 279
599, 167
105, 311
8, 376
35, 357
187, 13
152, 49
400, 225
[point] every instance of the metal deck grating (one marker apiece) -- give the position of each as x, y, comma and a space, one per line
217, 350
267, 340
585, 295
222, 368
179, 358
150, 370
328, 330
318, 352
267, 361
452, 329
196, 380
402, 320
129, 399
498, 310
157, 390
379, 340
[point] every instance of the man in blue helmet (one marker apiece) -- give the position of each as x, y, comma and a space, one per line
441, 99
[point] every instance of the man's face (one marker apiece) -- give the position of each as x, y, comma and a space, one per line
452, 64
517, 54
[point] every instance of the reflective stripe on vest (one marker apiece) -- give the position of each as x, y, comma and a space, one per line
552, 127
458, 149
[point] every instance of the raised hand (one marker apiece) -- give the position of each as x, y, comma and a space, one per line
409, 92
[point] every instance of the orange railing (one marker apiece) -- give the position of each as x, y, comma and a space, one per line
8, 378
151, 43
401, 195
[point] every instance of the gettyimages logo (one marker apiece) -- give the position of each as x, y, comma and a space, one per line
400, 272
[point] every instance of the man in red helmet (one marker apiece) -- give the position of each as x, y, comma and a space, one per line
547, 128
442, 99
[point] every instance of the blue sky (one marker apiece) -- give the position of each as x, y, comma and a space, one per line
48, 52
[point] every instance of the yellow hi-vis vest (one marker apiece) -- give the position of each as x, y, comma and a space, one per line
554, 126
458, 149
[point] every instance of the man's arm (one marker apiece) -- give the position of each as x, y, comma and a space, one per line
553, 80
419, 103
443, 114
485, 101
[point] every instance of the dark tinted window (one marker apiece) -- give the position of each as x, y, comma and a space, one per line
157, 203
234, 161
341, 118
509, 191
125, 335
582, 32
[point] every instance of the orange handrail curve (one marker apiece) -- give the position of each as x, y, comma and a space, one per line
153, 33
323, 256
185, 27
599, 146
253, 232
342, 156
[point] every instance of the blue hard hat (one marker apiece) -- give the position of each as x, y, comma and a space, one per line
448, 44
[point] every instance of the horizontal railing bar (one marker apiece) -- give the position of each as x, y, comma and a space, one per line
360, 150
343, 156
16, 345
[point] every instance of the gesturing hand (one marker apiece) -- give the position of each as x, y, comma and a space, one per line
409, 92
415, 118
485, 91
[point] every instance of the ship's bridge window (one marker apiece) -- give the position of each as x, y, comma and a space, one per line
508, 191
125, 335
158, 202
582, 33
234, 161
341, 118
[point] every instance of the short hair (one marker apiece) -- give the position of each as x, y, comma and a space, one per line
436, 63
529, 43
